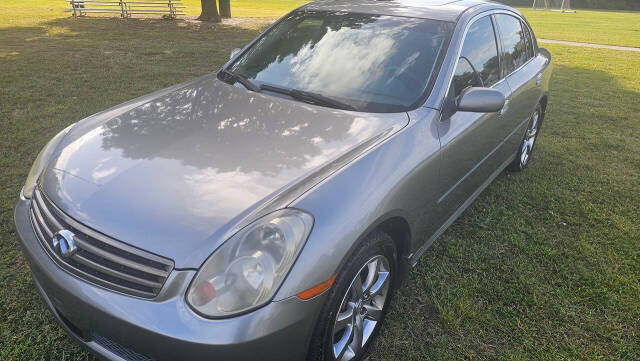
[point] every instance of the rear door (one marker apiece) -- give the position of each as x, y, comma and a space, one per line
523, 72
469, 140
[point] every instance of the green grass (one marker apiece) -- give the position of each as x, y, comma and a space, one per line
545, 265
596, 27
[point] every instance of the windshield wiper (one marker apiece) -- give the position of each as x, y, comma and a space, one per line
305, 96
308, 97
237, 78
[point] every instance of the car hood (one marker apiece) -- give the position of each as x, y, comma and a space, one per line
179, 171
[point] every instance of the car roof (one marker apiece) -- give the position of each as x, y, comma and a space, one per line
446, 10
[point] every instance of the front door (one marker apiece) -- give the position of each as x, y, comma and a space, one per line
469, 140
522, 71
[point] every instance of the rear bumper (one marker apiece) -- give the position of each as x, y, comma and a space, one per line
115, 326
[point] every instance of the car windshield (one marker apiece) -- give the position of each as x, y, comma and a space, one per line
370, 63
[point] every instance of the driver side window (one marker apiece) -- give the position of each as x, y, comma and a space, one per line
478, 65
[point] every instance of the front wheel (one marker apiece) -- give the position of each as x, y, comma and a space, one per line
357, 303
528, 142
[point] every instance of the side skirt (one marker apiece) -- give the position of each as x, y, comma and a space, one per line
416, 256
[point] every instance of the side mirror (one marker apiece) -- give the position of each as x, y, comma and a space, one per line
480, 100
234, 52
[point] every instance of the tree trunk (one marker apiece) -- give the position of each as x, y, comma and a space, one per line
225, 8
209, 11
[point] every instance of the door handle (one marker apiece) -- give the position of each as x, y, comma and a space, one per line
538, 79
504, 108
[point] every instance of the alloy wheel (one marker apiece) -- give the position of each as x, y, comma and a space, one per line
529, 139
361, 308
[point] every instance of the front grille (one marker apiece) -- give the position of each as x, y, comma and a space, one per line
99, 259
116, 348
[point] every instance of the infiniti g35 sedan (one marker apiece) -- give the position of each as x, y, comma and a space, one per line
270, 210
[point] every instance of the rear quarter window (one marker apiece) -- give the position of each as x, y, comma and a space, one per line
528, 37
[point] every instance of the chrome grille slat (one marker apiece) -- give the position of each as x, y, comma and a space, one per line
41, 223
43, 209
115, 286
36, 226
98, 267
99, 259
117, 259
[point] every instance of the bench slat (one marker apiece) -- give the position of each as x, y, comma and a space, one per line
112, 11
152, 12
91, 2
129, 2
126, 8
118, 10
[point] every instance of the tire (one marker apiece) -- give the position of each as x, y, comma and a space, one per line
329, 334
525, 150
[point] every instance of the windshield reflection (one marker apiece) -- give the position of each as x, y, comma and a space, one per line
374, 63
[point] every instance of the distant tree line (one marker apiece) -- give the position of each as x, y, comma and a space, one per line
584, 4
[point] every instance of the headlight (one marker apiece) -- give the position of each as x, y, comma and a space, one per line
41, 161
247, 270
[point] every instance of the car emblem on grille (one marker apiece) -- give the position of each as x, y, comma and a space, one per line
63, 242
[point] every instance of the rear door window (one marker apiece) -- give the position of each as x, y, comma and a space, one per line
516, 49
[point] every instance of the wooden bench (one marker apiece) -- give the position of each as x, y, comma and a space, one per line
126, 9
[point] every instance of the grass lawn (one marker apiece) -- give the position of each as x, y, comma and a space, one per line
545, 265
33, 12
597, 27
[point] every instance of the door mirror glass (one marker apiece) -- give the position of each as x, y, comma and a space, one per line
234, 52
480, 100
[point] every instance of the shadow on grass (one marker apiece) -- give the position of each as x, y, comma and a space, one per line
508, 281
72, 58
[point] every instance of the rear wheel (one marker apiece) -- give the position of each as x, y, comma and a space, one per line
357, 303
528, 142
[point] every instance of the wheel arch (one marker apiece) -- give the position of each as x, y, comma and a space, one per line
399, 230
394, 224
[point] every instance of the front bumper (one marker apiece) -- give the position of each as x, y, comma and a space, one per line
115, 326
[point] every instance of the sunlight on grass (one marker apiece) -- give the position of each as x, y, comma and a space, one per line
8, 53
588, 26
58, 30
34, 12
598, 27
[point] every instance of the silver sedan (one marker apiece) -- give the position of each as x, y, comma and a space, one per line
271, 209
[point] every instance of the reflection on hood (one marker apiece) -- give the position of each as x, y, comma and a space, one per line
180, 167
